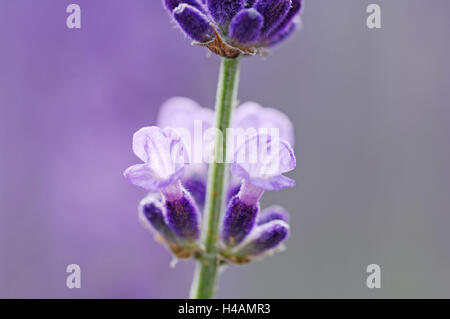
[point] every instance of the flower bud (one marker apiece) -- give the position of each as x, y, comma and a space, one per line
194, 23
263, 240
183, 217
238, 222
246, 26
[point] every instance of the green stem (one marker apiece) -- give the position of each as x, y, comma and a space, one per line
206, 275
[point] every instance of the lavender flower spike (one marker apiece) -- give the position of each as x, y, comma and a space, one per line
165, 158
194, 23
231, 28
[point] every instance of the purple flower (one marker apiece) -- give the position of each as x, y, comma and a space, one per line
234, 27
261, 162
165, 158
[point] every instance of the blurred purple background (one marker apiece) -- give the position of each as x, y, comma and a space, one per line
371, 110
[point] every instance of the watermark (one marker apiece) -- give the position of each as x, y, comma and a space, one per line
374, 19
374, 279
243, 146
73, 21
74, 279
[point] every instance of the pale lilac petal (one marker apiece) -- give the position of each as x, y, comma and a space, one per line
191, 121
164, 155
162, 149
262, 161
182, 112
252, 115
274, 183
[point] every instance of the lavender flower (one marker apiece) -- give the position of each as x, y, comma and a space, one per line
260, 163
178, 187
234, 27
165, 158
189, 119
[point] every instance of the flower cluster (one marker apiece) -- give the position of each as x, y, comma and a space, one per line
234, 27
174, 205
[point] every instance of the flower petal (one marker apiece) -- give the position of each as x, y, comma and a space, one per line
262, 160
181, 112
164, 154
273, 11
253, 115
291, 15
246, 26
194, 23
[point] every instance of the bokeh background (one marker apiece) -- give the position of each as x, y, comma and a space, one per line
371, 110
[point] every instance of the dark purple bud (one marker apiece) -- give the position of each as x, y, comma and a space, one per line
172, 4
197, 188
246, 26
183, 217
291, 15
238, 222
283, 34
273, 213
223, 11
273, 11
151, 212
264, 238
194, 23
